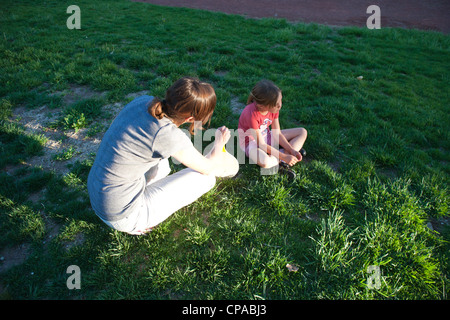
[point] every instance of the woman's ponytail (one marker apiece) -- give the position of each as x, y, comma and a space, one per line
156, 108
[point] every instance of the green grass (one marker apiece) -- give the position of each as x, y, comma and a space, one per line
374, 180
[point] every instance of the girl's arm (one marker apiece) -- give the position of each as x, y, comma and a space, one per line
256, 133
282, 141
287, 157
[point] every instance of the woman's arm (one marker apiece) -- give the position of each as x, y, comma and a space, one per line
213, 163
193, 159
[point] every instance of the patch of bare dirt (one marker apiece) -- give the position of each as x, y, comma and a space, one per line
236, 106
77, 241
76, 93
39, 121
13, 256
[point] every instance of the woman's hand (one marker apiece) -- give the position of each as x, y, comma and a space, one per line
222, 136
217, 162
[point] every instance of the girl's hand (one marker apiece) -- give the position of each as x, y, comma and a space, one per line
222, 136
297, 154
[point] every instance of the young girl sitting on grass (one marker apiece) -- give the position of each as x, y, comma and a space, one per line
258, 141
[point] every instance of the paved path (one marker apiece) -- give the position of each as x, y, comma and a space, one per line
419, 14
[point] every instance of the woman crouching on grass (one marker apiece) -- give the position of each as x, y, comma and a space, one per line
129, 183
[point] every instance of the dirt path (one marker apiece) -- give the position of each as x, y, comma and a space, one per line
418, 14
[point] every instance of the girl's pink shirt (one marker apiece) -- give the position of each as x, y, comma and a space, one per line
251, 118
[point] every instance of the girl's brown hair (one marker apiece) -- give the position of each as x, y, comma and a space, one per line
187, 97
264, 93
